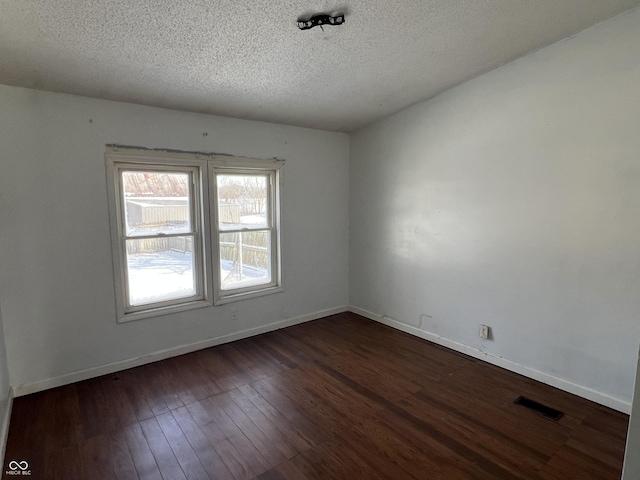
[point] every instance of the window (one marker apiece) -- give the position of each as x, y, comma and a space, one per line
189, 230
245, 230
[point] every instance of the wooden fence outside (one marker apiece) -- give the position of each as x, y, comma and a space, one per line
254, 249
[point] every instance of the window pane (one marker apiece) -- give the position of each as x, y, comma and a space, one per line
156, 202
160, 269
242, 201
245, 259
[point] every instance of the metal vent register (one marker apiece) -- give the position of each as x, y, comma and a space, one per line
539, 408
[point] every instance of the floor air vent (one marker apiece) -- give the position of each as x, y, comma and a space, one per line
543, 410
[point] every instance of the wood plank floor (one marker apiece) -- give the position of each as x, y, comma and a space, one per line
341, 397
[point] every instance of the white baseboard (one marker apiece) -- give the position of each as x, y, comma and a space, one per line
4, 427
598, 397
171, 352
562, 384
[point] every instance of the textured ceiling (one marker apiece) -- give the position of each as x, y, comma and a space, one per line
247, 58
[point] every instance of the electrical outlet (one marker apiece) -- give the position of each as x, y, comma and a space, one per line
484, 331
234, 314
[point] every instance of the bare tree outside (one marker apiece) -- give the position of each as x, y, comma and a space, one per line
248, 191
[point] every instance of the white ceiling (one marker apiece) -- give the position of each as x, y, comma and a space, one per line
247, 58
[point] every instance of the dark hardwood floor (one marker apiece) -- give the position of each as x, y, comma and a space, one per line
342, 397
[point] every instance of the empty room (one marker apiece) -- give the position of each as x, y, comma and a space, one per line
305, 240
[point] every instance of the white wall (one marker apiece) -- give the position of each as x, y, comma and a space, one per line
56, 275
514, 200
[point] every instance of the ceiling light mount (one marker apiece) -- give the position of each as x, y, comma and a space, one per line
321, 19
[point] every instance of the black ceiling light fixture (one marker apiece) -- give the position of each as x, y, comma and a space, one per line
320, 20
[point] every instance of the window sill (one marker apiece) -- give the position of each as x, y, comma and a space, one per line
159, 311
229, 298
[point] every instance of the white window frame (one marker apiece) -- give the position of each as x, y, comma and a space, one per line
203, 168
119, 161
274, 174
